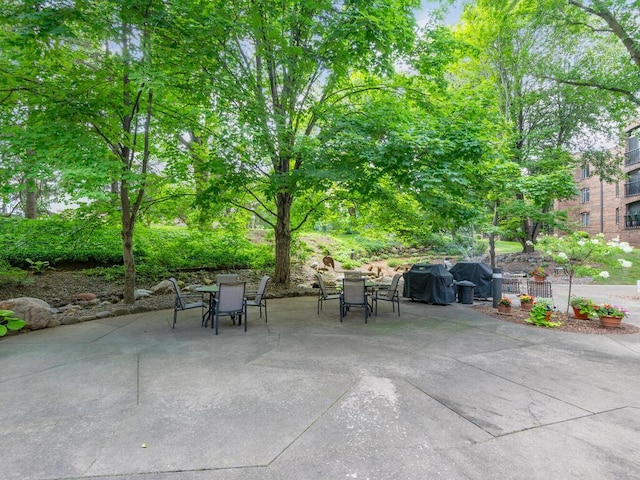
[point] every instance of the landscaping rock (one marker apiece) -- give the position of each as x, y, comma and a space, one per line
86, 296
162, 288
37, 313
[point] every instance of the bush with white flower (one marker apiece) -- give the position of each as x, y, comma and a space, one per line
582, 254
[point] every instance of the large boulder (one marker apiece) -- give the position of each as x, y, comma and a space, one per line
164, 287
37, 313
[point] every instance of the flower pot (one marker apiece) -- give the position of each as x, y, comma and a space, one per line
578, 315
537, 278
504, 309
610, 322
526, 306
547, 315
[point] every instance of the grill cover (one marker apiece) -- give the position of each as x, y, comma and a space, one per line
478, 273
429, 283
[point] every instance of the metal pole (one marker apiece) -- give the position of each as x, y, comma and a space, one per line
497, 286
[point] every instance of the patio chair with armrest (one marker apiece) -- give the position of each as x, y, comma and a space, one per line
389, 294
354, 294
186, 302
260, 299
324, 293
230, 302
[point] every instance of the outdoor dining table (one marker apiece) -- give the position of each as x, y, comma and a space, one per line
211, 290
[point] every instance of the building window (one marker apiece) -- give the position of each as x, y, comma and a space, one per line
632, 187
584, 171
632, 218
617, 216
584, 219
584, 195
617, 189
633, 151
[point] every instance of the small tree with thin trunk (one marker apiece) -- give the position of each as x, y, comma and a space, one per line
582, 254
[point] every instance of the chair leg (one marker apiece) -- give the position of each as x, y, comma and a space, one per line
265, 312
341, 310
216, 321
246, 318
175, 317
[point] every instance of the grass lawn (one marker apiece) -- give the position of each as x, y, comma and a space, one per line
620, 275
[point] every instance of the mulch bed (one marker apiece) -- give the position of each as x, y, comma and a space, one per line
569, 324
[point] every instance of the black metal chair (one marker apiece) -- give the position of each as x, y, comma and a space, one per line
511, 285
260, 300
539, 289
390, 294
354, 294
324, 293
186, 302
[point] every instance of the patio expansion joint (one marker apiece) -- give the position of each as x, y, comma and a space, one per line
566, 420
314, 421
506, 379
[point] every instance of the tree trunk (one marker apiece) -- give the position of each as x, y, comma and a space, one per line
128, 224
282, 273
31, 199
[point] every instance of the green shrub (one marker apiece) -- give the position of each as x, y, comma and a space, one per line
8, 321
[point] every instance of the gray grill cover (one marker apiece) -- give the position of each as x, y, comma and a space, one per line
429, 283
478, 273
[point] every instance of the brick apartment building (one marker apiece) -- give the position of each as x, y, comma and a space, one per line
610, 208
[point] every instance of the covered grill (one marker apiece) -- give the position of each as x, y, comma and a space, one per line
429, 283
478, 273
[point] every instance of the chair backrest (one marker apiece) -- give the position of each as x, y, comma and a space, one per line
262, 287
393, 288
539, 289
179, 298
353, 290
230, 297
323, 290
352, 274
226, 278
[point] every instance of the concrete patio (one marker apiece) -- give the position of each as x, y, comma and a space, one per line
440, 392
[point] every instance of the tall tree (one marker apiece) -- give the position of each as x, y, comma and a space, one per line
274, 69
86, 71
547, 117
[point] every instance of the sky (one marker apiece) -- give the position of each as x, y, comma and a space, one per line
451, 18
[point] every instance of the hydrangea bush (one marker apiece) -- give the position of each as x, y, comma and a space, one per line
582, 254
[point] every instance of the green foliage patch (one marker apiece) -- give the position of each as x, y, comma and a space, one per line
158, 250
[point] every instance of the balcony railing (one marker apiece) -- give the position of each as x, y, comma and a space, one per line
632, 157
632, 221
632, 188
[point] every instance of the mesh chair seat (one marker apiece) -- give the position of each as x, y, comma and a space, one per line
185, 302
354, 294
390, 294
324, 294
230, 302
260, 300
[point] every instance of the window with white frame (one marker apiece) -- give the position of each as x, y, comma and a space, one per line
584, 195
584, 171
584, 219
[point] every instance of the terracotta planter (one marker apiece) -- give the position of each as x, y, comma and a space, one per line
610, 322
504, 309
536, 278
547, 316
578, 315
526, 306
